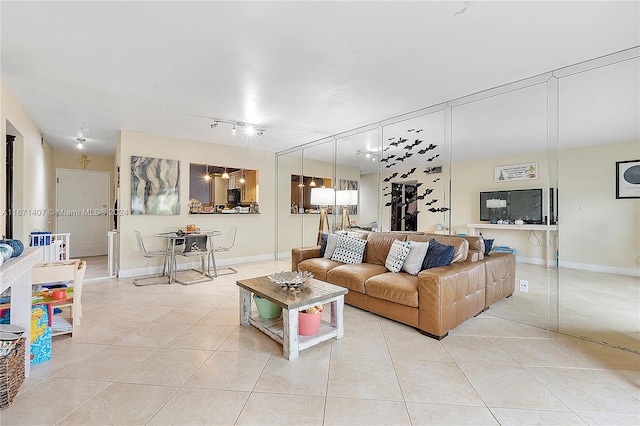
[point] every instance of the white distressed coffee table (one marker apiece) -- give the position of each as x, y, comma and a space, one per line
284, 329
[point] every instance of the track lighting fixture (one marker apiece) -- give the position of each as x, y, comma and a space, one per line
369, 155
249, 129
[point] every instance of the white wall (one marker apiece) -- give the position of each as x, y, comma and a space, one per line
256, 235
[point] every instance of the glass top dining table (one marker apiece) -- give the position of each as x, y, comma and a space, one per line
173, 236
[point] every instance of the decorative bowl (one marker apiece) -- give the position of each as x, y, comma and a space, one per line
290, 279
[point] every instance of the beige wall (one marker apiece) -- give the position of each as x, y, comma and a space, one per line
598, 231
34, 190
256, 235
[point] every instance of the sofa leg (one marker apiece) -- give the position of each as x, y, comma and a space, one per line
433, 336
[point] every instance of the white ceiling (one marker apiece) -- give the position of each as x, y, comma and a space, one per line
300, 70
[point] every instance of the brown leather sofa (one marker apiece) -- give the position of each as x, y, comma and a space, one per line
500, 269
434, 301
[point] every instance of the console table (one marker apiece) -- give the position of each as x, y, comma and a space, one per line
474, 228
16, 273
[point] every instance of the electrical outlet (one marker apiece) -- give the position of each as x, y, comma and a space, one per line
524, 286
637, 260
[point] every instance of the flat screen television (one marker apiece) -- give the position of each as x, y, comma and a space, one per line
518, 204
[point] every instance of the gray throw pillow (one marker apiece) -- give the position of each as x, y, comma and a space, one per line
413, 263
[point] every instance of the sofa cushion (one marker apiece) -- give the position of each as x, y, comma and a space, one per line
378, 245
354, 275
415, 258
438, 255
397, 254
460, 244
349, 250
399, 288
332, 243
318, 266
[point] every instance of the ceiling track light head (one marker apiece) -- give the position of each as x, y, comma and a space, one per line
250, 129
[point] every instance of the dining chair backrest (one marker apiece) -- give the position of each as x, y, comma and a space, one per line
195, 244
141, 246
230, 240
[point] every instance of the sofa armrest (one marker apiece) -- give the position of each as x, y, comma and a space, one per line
303, 253
449, 295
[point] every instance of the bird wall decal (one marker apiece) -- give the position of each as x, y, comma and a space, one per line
409, 173
387, 179
439, 209
436, 179
433, 200
433, 158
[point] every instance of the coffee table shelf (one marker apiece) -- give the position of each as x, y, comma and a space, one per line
284, 329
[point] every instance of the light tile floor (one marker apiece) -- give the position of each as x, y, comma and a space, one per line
173, 354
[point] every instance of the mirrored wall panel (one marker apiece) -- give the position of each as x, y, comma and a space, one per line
599, 246
415, 175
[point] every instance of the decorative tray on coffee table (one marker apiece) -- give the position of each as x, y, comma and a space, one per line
288, 279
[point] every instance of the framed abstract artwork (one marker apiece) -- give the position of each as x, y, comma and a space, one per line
628, 179
155, 186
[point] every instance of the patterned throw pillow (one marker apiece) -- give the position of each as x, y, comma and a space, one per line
349, 250
413, 263
438, 254
332, 242
397, 254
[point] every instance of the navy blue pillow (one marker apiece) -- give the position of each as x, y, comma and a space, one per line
438, 255
323, 245
487, 246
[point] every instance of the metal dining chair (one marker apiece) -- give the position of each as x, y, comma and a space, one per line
150, 254
229, 241
196, 245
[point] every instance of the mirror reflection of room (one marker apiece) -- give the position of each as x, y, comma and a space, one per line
221, 189
301, 186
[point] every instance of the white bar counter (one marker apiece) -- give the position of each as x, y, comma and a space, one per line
16, 273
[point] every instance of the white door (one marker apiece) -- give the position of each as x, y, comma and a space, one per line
82, 204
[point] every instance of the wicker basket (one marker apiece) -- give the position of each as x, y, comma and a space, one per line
11, 373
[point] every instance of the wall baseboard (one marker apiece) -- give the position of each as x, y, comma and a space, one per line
220, 263
632, 272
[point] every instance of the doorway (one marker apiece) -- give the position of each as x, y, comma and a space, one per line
8, 231
82, 203
404, 206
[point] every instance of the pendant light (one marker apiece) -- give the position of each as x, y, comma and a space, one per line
242, 179
225, 175
313, 181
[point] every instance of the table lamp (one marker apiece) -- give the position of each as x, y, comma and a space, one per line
322, 197
346, 198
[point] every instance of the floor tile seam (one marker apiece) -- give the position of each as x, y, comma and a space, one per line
470, 383
555, 340
527, 369
395, 373
625, 390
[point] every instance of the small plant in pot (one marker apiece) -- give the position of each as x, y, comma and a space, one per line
309, 320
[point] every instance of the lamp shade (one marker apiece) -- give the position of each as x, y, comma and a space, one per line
347, 197
322, 196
